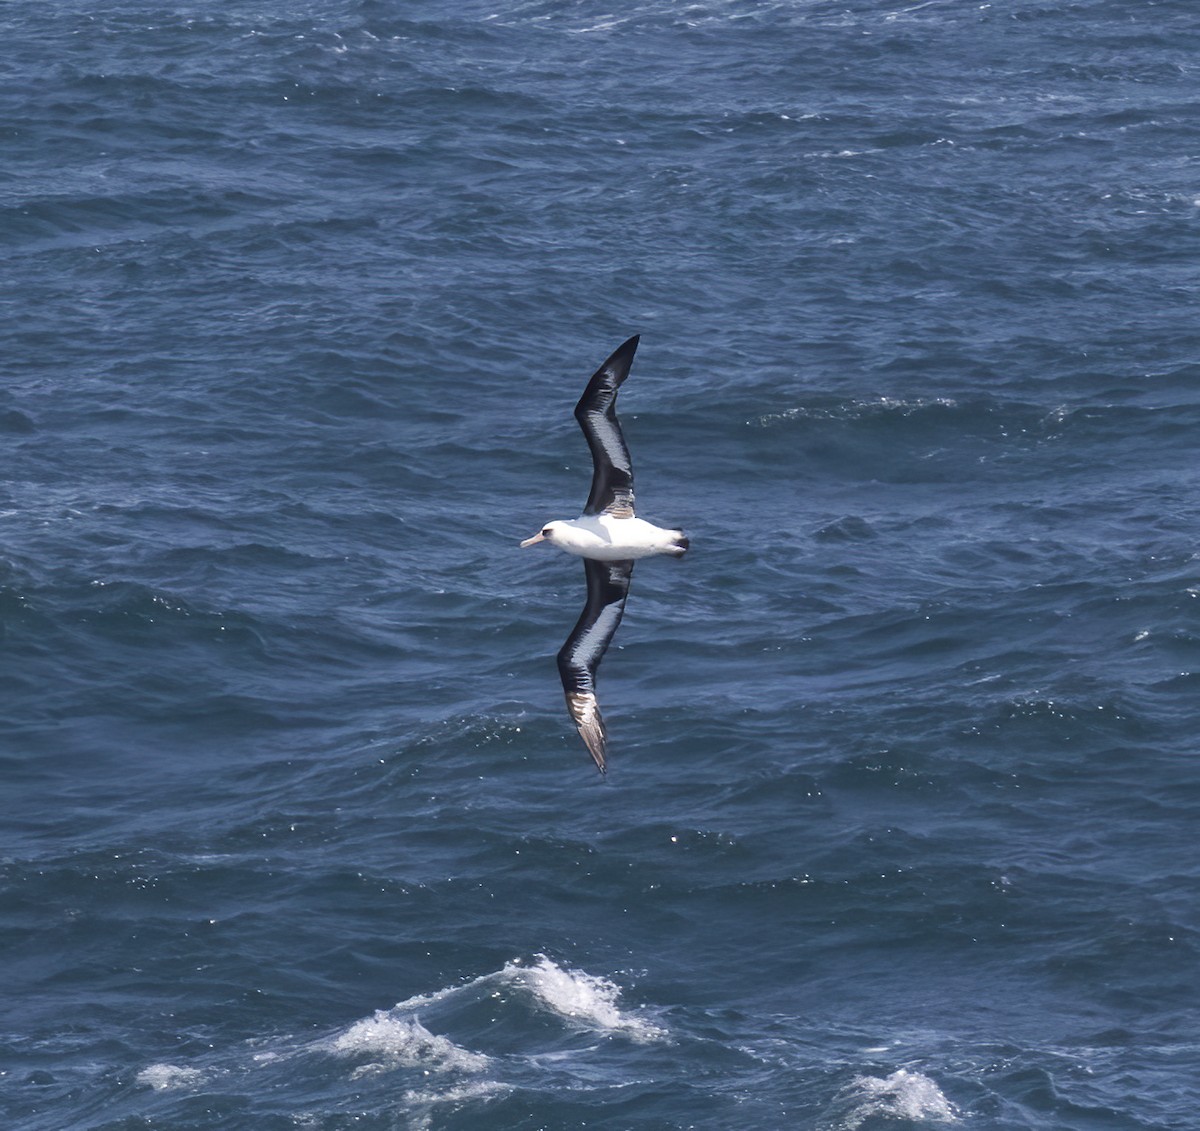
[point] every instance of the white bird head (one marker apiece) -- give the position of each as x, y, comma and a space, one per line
546, 534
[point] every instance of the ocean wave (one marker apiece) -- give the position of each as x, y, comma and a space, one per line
586, 1002
391, 1040
170, 1077
435, 1061
904, 1095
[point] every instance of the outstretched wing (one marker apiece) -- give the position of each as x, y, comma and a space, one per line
612, 469
580, 656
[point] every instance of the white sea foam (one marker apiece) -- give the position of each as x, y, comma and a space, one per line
394, 1040
479, 1089
857, 410
397, 1039
165, 1077
584, 999
423, 1104
902, 1095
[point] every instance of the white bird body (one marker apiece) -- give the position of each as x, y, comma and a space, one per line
606, 538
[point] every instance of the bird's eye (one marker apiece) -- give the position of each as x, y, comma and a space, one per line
547, 532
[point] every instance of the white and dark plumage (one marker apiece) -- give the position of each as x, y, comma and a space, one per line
609, 538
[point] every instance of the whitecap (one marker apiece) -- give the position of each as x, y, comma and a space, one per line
393, 1040
902, 1095
165, 1077
423, 1104
584, 999
588, 1001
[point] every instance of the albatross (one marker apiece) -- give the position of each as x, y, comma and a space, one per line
610, 538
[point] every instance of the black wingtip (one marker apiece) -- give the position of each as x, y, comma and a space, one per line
599, 754
623, 354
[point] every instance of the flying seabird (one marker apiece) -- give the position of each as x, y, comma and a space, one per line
609, 537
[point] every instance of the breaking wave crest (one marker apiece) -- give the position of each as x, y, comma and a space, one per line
403, 1042
584, 999
430, 1042
903, 1095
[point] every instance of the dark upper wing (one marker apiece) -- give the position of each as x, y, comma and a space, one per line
612, 474
579, 657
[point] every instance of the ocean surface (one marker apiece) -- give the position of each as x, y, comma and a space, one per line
902, 818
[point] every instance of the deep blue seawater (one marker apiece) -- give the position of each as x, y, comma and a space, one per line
901, 824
